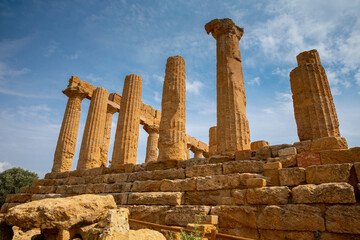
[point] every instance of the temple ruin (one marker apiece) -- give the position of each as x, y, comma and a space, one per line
303, 190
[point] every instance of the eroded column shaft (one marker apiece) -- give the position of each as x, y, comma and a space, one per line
172, 137
94, 131
314, 107
233, 132
66, 144
152, 142
212, 141
107, 134
127, 130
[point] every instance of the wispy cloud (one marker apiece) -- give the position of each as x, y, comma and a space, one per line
194, 87
254, 81
4, 166
7, 71
157, 97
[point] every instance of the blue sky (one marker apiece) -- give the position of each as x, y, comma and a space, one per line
43, 43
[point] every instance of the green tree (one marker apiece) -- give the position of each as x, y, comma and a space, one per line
13, 179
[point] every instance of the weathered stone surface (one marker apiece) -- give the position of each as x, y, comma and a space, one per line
292, 176
233, 132
152, 142
275, 149
154, 214
328, 143
203, 170
291, 218
324, 193
343, 219
258, 144
142, 234
307, 159
117, 177
6, 232
146, 186
61, 213
268, 195
263, 153
157, 175
18, 198
205, 197
288, 235
118, 187
212, 141
155, 198
24, 234
172, 137
183, 215
235, 216
357, 170
287, 151
288, 161
303, 146
340, 156
328, 173
255, 183
243, 155
239, 196
178, 185
241, 232
271, 172
245, 166
216, 182
161, 165
120, 198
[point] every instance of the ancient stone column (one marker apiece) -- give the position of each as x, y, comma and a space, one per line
94, 131
152, 142
212, 141
107, 134
127, 130
233, 132
66, 144
198, 153
314, 107
172, 137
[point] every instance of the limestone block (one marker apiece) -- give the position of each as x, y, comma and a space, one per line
95, 188
155, 198
183, 215
61, 189
357, 170
340, 156
142, 234
203, 170
6, 206
216, 182
241, 231
61, 213
308, 159
76, 189
271, 171
36, 197
153, 214
239, 196
118, 187
178, 185
146, 186
275, 149
287, 151
303, 146
178, 173
235, 216
118, 177
272, 166
258, 144
161, 165
263, 153
324, 193
246, 166
120, 198
255, 183
92, 172
20, 234
206, 219
268, 195
76, 180
343, 219
291, 218
242, 155
288, 161
18, 198
328, 173
222, 158
288, 235
205, 197
328, 143
292, 176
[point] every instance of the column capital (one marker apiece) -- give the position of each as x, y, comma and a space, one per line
151, 128
218, 27
111, 109
76, 92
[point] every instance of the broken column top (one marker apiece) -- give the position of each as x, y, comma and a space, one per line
218, 27
308, 57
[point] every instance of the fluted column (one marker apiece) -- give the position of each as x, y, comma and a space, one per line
233, 132
127, 130
314, 107
66, 144
94, 130
212, 141
152, 142
107, 134
172, 137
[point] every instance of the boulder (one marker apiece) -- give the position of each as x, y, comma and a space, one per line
142, 234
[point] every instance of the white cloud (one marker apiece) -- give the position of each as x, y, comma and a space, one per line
92, 78
157, 97
194, 87
6, 71
254, 81
4, 166
357, 77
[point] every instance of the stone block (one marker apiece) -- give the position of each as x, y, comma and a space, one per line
178, 185
205, 197
146, 186
206, 219
18, 198
245, 232
178, 173
61, 189
235, 216
263, 153
36, 197
242, 155
140, 176
273, 176
239, 196
245, 166
268, 195
206, 228
340, 156
76, 180
139, 167
94, 171
7, 206
307, 159
272, 165
328, 143
221, 159
120, 198
51, 175
357, 170
217, 182
76, 189
155, 198
343, 219
287, 151
258, 144
203, 170
255, 183
161, 165
153, 214
328, 173
324, 193
192, 162
275, 149
288, 235
291, 218
95, 188
303, 146
117, 177
288, 161
292, 176
118, 187
67, 174
183, 215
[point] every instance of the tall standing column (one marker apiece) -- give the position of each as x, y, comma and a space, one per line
94, 130
314, 107
233, 132
66, 144
127, 131
107, 134
152, 142
172, 137
212, 141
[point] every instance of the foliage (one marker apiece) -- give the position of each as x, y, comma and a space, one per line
12, 180
195, 235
